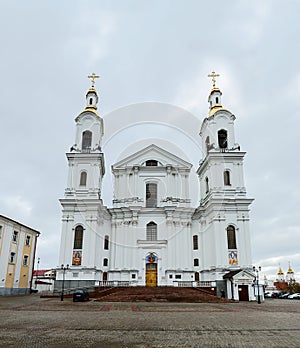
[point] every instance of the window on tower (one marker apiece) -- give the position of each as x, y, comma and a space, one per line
195, 242
86, 141
83, 177
106, 242
222, 139
105, 262
227, 178
91, 101
151, 195
196, 262
151, 233
231, 238
206, 185
78, 237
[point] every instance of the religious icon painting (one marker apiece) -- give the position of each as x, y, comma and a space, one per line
233, 258
76, 259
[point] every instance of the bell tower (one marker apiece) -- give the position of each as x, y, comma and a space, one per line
82, 208
223, 211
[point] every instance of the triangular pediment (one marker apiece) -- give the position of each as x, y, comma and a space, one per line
153, 152
239, 275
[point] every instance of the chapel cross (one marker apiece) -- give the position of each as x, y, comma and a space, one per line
93, 77
213, 75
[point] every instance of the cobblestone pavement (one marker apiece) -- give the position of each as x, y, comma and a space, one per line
28, 321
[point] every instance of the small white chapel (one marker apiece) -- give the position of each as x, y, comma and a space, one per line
151, 235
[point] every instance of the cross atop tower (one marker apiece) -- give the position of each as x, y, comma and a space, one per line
93, 76
213, 75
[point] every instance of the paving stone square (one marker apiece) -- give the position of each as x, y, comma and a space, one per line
29, 321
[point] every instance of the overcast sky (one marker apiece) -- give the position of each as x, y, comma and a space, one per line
158, 51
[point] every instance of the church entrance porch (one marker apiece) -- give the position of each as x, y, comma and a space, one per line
151, 274
243, 293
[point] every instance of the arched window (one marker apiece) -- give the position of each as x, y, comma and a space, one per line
195, 242
151, 233
222, 139
105, 262
231, 239
78, 237
83, 177
206, 185
217, 100
227, 178
151, 163
86, 140
196, 262
91, 101
151, 195
106, 242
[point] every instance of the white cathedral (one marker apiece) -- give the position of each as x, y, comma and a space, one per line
152, 236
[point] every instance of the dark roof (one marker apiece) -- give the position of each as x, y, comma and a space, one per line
19, 223
230, 274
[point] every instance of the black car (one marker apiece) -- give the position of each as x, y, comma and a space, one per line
80, 295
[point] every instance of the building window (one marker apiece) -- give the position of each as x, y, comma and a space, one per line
195, 242
15, 236
222, 139
151, 233
78, 237
217, 100
106, 242
196, 262
25, 260
151, 163
227, 178
170, 276
133, 276
105, 262
231, 238
27, 241
91, 101
12, 258
83, 176
86, 140
206, 185
177, 276
151, 195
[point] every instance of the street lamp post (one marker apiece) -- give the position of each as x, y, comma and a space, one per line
257, 270
63, 268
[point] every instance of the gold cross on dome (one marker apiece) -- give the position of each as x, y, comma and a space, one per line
213, 75
93, 76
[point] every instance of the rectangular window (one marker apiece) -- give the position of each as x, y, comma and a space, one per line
177, 276
133, 276
106, 242
151, 195
12, 258
27, 241
195, 242
15, 236
196, 262
25, 260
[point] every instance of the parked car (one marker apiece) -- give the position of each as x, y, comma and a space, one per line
80, 295
294, 296
286, 295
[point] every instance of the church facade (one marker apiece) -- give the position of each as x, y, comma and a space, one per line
151, 235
